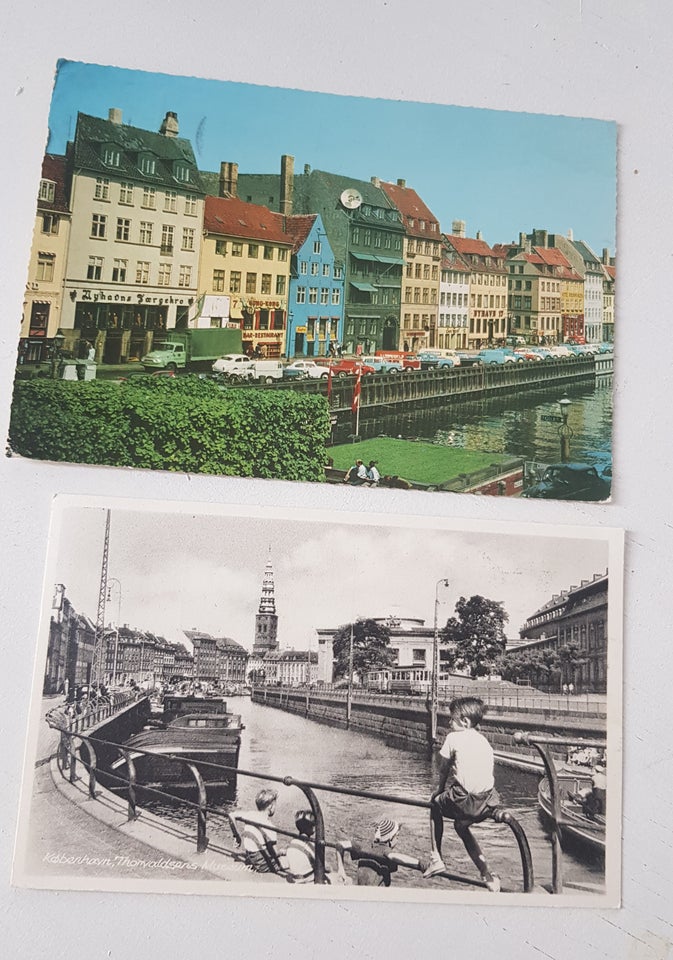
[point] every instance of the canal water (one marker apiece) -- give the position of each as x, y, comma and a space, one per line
285, 744
523, 426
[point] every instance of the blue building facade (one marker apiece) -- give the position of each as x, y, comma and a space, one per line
316, 292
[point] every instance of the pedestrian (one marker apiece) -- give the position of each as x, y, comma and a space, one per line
258, 838
357, 474
466, 793
373, 475
375, 866
339, 350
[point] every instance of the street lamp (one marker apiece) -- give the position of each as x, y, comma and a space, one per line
56, 351
434, 689
565, 433
110, 581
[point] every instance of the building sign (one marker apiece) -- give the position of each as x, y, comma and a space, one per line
100, 296
300, 329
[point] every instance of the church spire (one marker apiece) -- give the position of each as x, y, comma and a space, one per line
266, 621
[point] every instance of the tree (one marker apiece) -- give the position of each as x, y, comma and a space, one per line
370, 647
476, 634
570, 656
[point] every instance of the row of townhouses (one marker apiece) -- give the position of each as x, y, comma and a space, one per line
131, 237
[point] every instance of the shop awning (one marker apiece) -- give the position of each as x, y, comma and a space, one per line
365, 287
393, 260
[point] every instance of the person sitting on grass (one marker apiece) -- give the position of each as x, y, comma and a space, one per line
466, 793
374, 867
257, 837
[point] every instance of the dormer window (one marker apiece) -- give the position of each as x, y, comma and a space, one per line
182, 172
111, 156
148, 165
47, 191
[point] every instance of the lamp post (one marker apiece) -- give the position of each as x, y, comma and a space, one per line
56, 351
434, 688
565, 433
110, 581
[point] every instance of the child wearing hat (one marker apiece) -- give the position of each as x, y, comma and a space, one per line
375, 867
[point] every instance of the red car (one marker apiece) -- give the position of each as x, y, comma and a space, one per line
408, 360
349, 368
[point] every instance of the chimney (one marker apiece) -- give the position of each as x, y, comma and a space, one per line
376, 181
401, 183
286, 184
169, 125
307, 169
479, 235
228, 179
527, 246
115, 116
522, 240
458, 228
606, 256
570, 235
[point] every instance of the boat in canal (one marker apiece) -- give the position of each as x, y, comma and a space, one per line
582, 808
193, 727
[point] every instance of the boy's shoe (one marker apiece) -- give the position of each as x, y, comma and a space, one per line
435, 867
492, 883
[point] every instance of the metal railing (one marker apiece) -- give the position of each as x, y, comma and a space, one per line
543, 745
72, 740
92, 711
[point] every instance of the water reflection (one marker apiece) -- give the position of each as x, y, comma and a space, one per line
285, 744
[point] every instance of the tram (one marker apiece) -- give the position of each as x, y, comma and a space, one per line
402, 680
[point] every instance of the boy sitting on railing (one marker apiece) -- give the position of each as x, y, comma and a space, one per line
466, 793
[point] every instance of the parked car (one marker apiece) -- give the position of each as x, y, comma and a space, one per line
515, 341
499, 355
528, 354
470, 359
384, 365
305, 370
561, 351
570, 481
350, 368
438, 359
408, 360
543, 352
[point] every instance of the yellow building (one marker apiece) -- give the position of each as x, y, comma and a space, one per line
245, 254
44, 288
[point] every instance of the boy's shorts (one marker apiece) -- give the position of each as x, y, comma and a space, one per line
455, 803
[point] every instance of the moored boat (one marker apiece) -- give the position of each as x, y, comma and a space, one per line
196, 728
582, 807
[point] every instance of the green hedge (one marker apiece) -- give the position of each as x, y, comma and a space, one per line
183, 424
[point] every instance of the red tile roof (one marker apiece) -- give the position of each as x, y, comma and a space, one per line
53, 168
298, 228
231, 217
412, 209
469, 247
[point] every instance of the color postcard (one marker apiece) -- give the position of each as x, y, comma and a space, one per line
441, 726
253, 281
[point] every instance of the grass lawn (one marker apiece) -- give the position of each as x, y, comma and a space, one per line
421, 462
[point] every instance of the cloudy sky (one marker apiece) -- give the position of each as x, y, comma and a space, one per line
189, 568
501, 172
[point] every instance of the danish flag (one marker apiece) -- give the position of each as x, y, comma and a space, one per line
329, 382
356, 392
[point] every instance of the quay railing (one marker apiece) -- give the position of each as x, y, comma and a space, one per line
72, 740
543, 746
91, 711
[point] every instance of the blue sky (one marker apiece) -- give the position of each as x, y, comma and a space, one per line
500, 172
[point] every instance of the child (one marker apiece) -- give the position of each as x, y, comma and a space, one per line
259, 839
374, 867
300, 853
466, 792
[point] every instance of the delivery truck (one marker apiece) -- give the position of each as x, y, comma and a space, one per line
191, 349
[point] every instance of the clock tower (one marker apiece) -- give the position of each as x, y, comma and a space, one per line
266, 621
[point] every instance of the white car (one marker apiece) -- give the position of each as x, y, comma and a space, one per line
237, 363
305, 369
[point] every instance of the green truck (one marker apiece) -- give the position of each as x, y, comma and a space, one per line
191, 349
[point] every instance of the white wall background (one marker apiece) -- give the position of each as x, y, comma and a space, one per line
600, 58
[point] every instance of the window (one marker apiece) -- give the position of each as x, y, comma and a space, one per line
312, 294
188, 234
119, 271
50, 223
45, 267
315, 269
336, 296
326, 270
143, 271
148, 165
221, 247
356, 235
317, 246
324, 295
280, 286
146, 231
47, 191
282, 254
303, 268
253, 250
301, 294
182, 173
235, 281
367, 238
250, 282
123, 228
377, 239
126, 193
338, 273
111, 156
166, 239
218, 281
266, 283
149, 198
102, 189
164, 275
170, 202
185, 276
236, 248
95, 268
98, 225
190, 205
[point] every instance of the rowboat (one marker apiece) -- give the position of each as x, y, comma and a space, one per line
581, 817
